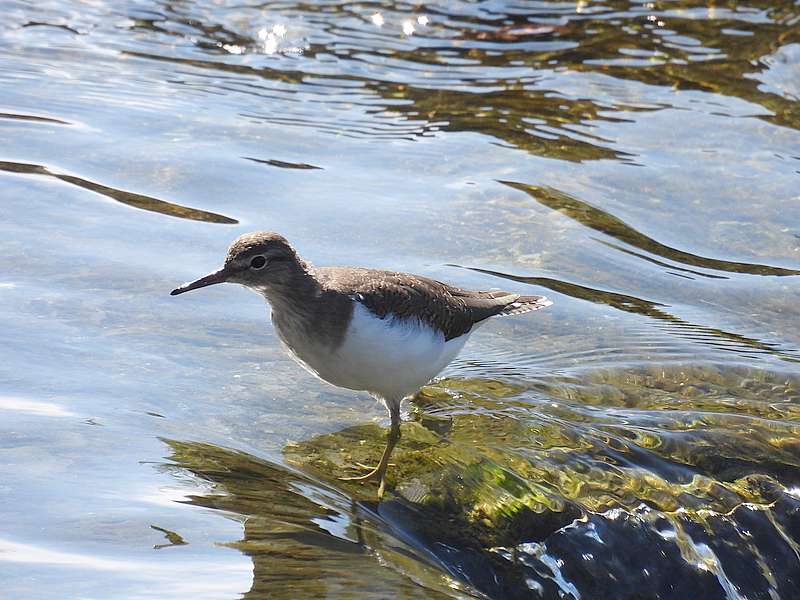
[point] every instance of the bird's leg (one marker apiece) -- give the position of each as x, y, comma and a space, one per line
379, 472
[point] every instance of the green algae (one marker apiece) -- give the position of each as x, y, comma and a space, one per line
508, 466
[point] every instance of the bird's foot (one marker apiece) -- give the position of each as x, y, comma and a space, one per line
376, 473
379, 472
364, 467
373, 473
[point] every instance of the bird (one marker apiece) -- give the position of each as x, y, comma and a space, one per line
383, 332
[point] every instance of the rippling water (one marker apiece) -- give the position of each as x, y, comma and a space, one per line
638, 162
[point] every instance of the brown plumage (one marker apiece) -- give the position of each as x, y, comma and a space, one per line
326, 318
449, 309
318, 300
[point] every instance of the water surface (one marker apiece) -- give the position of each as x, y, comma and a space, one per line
637, 162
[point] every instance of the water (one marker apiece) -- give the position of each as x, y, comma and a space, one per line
637, 162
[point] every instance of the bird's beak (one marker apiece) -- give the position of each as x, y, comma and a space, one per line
220, 276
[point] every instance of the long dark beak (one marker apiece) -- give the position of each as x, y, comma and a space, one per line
220, 276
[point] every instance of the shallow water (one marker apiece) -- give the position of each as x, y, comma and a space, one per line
637, 162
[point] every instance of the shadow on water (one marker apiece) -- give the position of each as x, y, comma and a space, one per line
307, 538
427, 114
281, 164
563, 488
501, 61
604, 468
33, 118
603, 222
702, 334
129, 198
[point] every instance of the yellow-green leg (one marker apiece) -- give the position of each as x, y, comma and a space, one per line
379, 472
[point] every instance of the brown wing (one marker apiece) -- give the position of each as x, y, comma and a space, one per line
452, 310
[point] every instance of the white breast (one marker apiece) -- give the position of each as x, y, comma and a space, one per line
391, 358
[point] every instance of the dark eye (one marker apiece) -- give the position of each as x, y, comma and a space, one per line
258, 262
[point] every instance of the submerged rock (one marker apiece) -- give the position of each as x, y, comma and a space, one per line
681, 482
507, 471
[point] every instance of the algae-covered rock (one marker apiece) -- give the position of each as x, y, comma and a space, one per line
306, 539
499, 485
501, 465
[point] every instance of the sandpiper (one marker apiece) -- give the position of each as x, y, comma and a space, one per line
381, 332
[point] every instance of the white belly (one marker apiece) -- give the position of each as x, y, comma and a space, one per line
391, 358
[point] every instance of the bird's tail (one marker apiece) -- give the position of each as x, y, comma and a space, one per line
524, 304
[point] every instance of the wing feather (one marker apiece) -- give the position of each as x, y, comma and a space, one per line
452, 310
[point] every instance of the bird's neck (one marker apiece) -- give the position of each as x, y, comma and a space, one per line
296, 292
304, 311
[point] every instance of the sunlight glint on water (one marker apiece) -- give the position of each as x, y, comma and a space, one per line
637, 163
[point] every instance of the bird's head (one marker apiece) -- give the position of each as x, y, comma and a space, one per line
259, 260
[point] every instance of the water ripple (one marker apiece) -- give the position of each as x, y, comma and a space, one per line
125, 197
712, 336
604, 222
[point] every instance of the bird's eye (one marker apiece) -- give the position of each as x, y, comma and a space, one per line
258, 262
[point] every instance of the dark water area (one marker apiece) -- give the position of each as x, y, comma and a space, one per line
637, 162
